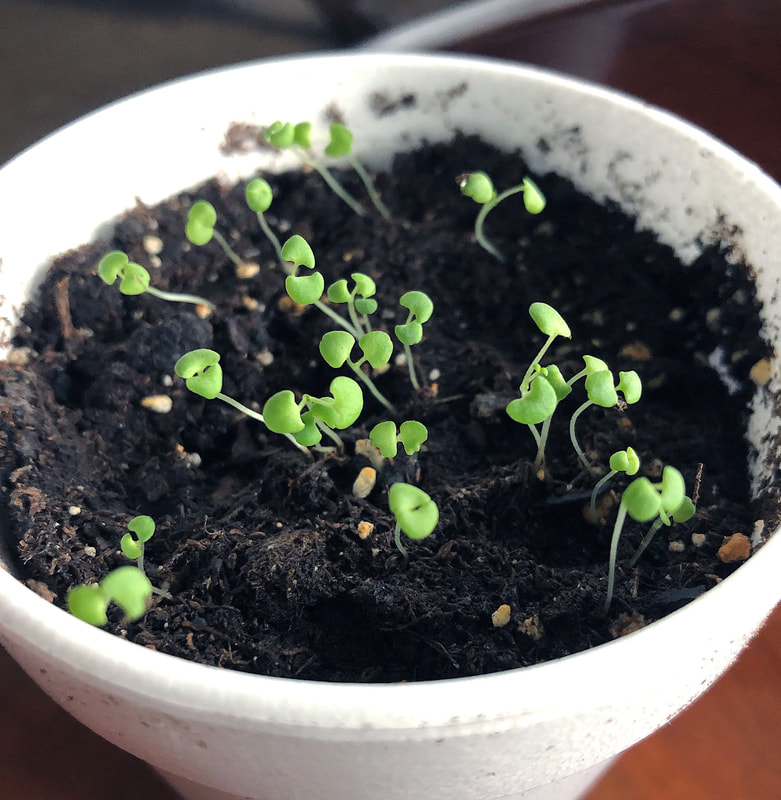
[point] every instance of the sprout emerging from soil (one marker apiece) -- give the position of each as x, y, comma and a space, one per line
200, 229
542, 388
621, 461
133, 546
480, 188
259, 196
416, 513
420, 308
376, 346
128, 587
664, 503
134, 279
411, 434
298, 139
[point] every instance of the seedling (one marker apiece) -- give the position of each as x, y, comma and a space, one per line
542, 388
416, 513
308, 289
420, 309
602, 391
376, 346
359, 299
283, 414
341, 145
128, 587
480, 188
664, 502
621, 461
134, 279
412, 434
200, 229
298, 138
259, 195
133, 546
202, 373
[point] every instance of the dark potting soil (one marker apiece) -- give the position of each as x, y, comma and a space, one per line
262, 548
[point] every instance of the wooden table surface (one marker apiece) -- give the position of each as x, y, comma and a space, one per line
718, 64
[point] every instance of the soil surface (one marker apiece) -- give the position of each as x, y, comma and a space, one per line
262, 547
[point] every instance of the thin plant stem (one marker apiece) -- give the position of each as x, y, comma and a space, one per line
485, 209
355, 366
333, 184
354, 316
539, 461
229, 251
611, 573
413, 378
161, 593
175, 297
366, 322
574, 438
272, 237
595, 492
259, 417
646, 541
338, 319
369, 184
331, 434
529, 374
397, 539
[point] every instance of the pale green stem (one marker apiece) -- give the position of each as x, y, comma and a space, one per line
539, 461
355, 366
338, 319
229, 251
530, 372
354, 315
175, 297
333, 184
411, 366
595, 493
646, 541
161, 593
331, 434
484, 211
259, 417
574, 438
369, 184
397, 539
366, 323
272, 237
611, 574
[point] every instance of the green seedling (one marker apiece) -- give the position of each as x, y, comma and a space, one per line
259, 195
411, 434
359, 299
602, 391
284, 414
200, 229
416, 513
376, 346
308, 289
480, 188
134, 279
133, 546
420, 308
542, 388
664, 502
202, 374
621, 461
340, 145
128, 587
298, 139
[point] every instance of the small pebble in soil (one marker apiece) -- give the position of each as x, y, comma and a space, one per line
153, 245
676, 546
760, 372
365, 529
501, 616
735, 548
246, 270
364, 483
74, 510
159, 403
698, 539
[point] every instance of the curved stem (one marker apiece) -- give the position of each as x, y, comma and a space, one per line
574, 438
337, 318
228, 250
484, 211
611, 574
175, 297
369, 184
646, 541
397, 539
331, 434
272, 237
333, 184
530, 372
595, 492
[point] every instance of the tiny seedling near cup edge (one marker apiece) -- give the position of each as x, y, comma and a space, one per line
134, 279
420, 308
200, 230
415, 512
480, 188
259, 195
